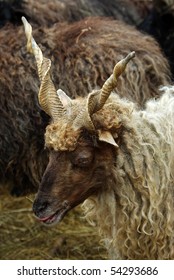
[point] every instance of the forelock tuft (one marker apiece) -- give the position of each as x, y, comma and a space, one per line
60, 136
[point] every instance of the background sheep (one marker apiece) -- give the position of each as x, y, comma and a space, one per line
155, 17
102, 146
84, 54
46, 13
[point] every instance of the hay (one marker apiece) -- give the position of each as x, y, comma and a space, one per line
23, 237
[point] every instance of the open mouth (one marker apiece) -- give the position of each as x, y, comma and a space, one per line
54, 218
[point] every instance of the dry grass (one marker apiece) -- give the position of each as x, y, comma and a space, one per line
23, 237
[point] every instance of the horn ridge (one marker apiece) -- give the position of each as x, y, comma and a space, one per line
96, 101
111, 82
48, 97
83, 119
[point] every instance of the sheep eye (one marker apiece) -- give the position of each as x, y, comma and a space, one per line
82, 159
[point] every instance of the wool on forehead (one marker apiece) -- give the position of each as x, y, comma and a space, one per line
62, 136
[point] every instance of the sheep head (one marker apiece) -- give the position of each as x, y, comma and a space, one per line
80, 138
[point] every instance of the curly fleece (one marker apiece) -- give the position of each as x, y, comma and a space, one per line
134, 211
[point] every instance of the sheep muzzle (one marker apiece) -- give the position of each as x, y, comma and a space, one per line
47, 212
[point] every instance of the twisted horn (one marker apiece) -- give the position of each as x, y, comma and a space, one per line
48, 97
111, 82
84, 117
96, 101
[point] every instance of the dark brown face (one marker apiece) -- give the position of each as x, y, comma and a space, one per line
70, 178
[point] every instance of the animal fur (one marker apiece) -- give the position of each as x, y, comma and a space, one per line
104, 149
131, 187
136, 204
83, 55
46, 13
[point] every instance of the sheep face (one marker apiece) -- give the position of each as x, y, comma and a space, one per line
81, 159
71, 177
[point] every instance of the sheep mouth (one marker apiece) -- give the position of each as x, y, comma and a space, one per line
55, 217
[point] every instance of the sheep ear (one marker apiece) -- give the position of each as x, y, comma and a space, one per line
106, 136
65, 99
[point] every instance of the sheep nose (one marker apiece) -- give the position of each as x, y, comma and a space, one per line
40, 206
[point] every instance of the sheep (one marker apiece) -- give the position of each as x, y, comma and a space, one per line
113, 156
84, 54
46, 13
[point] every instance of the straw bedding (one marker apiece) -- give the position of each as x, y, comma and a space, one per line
23, 237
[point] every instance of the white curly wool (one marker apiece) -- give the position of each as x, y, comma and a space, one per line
135, 211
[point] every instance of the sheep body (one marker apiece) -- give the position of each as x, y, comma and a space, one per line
136, 205
83, 55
